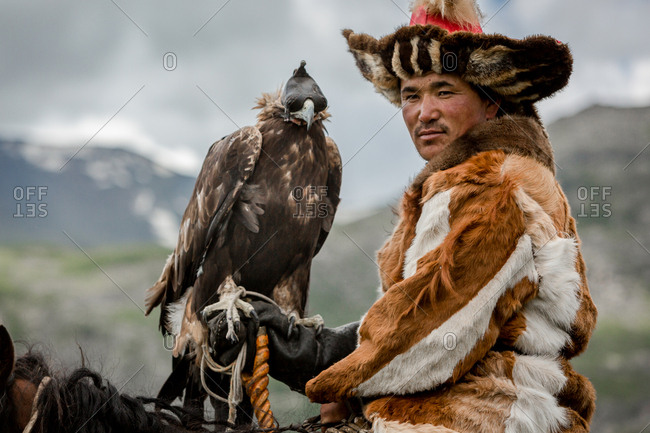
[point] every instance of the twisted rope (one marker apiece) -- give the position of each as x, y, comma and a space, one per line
257, 383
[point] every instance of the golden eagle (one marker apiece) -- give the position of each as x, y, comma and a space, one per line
261, 209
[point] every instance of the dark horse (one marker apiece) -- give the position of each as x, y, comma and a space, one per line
33, 399
81, 402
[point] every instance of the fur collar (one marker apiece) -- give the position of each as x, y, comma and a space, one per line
520, 135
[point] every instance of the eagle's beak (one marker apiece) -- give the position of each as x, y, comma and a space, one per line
306, 113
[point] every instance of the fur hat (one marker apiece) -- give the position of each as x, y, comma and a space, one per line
445, 36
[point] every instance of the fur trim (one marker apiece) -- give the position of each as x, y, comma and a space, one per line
463, 12
520, 72
517, 135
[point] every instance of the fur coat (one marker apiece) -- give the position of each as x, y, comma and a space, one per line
484, 298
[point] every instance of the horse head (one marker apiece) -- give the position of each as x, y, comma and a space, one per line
17, 392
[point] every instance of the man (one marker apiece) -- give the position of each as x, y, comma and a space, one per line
485, 298
437, 109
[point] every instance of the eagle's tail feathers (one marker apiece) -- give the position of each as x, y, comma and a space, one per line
155, 295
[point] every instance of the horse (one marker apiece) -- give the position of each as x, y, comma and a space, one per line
35, 399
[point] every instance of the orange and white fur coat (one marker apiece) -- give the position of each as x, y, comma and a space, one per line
484, 298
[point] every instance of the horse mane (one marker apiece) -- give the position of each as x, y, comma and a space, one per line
84, 402
31, 367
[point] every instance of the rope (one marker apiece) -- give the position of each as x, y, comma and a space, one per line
230, 299
257, 383
234, 369
32, 420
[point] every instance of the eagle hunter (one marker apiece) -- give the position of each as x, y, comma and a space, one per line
262, 207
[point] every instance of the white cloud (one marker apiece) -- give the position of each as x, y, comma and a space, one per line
68, 68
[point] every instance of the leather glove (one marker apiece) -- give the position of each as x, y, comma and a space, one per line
265, 314
296, 359
225, 352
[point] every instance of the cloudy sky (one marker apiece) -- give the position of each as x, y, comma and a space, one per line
167, 78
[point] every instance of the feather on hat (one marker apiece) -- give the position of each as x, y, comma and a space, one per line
445, 36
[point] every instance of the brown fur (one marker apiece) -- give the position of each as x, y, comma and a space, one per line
519, 72
487, 389
513, 135
446, 280
578, 393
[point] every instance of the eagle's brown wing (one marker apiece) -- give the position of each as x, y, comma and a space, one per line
334, 176
221, 182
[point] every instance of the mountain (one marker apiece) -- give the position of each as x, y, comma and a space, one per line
97, 196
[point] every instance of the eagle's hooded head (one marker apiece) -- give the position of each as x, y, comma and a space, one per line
302, 98
301, 102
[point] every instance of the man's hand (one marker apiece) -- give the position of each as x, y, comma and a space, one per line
331, 413
271, 316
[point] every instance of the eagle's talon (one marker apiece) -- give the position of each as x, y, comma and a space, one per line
232, 339
255, 317
319, 328
237, 326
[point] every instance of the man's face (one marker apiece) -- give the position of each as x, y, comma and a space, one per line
438, 108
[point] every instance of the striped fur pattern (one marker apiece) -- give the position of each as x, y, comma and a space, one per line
485, 299
519, 72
